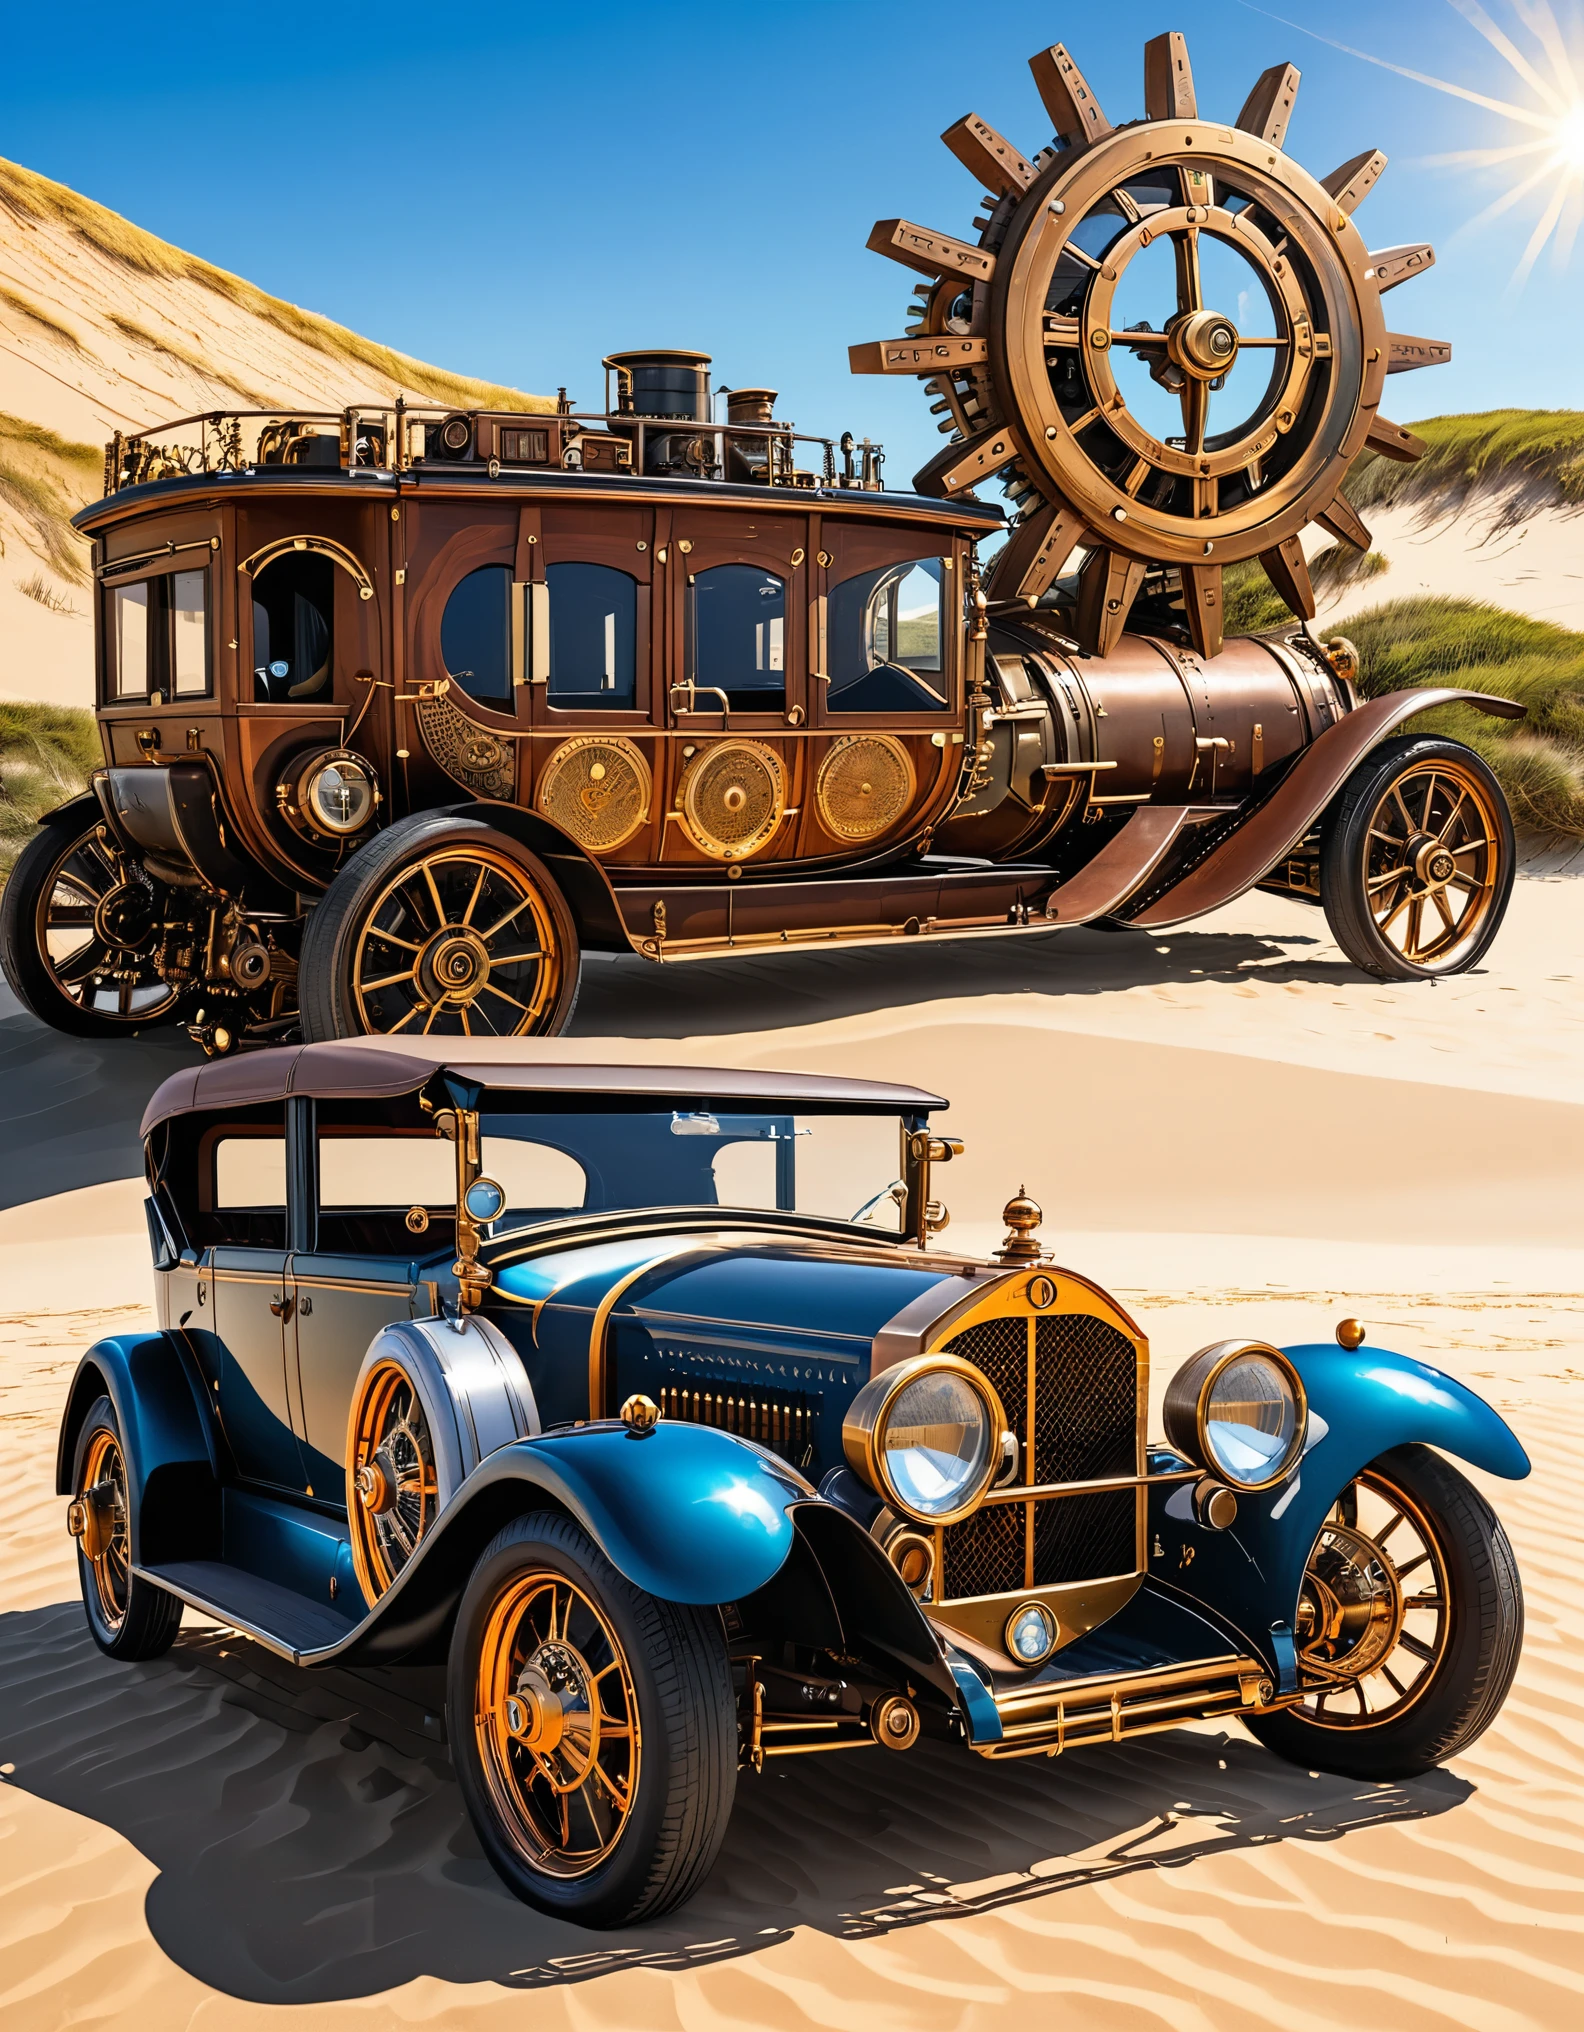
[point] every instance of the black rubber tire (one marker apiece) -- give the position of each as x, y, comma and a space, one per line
328, 1005
31, 979
687, 1712
1486, 1638
148, 1628
1344, 845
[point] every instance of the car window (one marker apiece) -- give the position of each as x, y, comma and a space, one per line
294, 627
738, 618
373, 1171
159, 636
593, 637
886, 640
250, 1173
475, 635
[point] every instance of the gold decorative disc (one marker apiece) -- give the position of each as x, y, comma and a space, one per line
733, 798
597, 789
865, 785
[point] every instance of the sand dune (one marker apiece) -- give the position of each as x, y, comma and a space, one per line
1219, 1134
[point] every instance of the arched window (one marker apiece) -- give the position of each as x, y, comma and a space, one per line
593, 637
738, 617
475, 635
886, 640
294, 627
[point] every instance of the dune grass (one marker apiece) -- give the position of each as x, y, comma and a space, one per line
45, 479
37, 198
25, 307
46, 756
1538, 453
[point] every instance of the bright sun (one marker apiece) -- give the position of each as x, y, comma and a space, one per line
1570, 138
1547, 163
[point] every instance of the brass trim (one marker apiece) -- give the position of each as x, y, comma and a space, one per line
1048, 1719
849, 755
602, 1312
1079, 1606
320, 546
700, 825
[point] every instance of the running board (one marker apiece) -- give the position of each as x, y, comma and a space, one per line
284, 1621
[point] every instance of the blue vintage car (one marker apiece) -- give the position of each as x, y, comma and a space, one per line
648, 1399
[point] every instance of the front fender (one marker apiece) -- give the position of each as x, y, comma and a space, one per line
686, 1513
167, 1438
1362, 1403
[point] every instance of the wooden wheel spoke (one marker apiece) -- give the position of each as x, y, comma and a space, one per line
1453, 814
77, 966
1196, 414
1397, 799
478, 885
1438, 898
1385, 923
1419, 1559
1380, 1537
1430, 789
1190, 286
379, 937
501, 923
1416, 1647
405, 1020
434, 895
1393, 1681
1425, 1602
389, 980
1378, 882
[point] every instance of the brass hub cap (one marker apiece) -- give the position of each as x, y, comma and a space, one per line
1433, 863
1374, 1612
395, 1489
460, 941
556, 1724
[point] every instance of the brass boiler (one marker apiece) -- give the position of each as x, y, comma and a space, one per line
1165, 725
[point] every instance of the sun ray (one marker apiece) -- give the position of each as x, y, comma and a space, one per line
1556, 125
1481, 23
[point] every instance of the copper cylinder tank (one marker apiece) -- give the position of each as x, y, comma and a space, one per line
1166, 725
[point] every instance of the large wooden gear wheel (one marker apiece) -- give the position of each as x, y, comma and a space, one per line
1167, 342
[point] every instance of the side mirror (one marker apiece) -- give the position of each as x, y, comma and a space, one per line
484, 1201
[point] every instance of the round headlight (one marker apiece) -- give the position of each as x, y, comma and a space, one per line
1238, 1409
332, 796
926, 1436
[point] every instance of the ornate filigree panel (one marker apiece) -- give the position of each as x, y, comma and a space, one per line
864, 786
468, 752
597, 790
732, 799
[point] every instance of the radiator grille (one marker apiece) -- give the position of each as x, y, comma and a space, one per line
783, 1424
1084, 1408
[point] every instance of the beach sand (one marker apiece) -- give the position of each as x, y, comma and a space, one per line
1238, 1135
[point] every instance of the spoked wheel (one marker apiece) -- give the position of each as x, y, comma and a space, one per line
1409, 1624
394, 1489
593, 1728
79, 930
127, 1617
1418, 860
440, 927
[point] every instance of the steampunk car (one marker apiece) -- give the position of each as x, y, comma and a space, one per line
646, 1399
403, 710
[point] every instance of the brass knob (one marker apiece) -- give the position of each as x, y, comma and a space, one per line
1350, 1334
1022, 1216
640, 1415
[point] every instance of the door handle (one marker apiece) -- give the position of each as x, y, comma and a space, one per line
281, 1307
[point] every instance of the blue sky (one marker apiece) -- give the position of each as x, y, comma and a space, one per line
514, 190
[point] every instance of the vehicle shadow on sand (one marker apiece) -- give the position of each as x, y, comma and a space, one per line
633, 997
311, 1845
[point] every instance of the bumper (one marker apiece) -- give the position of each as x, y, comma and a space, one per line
1045, 1720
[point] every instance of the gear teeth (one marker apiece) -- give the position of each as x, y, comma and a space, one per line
1267, 111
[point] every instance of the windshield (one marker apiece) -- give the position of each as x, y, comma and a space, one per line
838, 1166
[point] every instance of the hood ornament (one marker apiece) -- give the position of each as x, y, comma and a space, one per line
1022, 1216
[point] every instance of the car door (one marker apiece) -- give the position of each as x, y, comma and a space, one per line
385, 1196
250, 1297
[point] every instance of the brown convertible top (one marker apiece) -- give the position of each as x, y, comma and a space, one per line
378, 1068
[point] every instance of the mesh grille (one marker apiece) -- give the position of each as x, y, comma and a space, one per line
984, 1553
1084, 1537
1085, 1427
998, 1349
1085, 1406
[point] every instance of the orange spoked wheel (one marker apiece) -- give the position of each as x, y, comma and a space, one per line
128, 1617
1418, 860
593, 1727
393, 1487
440, 927
557, 1723
1408, 1627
